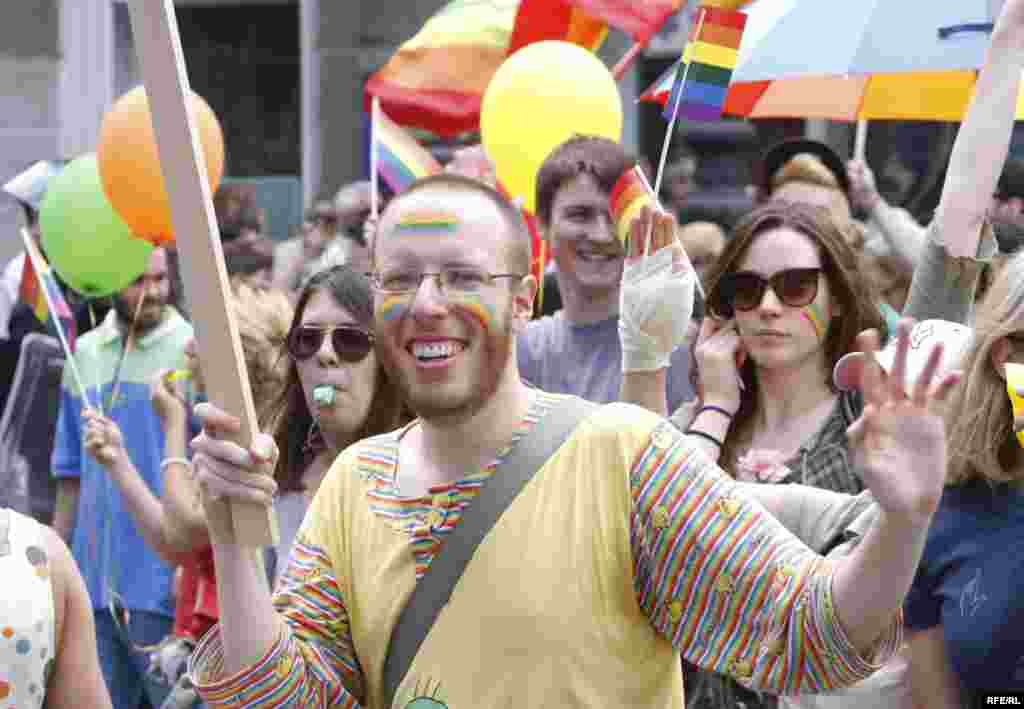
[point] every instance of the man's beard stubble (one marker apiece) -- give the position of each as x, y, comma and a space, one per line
498, 352
126, 314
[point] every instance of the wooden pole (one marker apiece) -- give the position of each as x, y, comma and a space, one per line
158, 44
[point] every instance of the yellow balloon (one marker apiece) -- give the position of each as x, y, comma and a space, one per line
540, 97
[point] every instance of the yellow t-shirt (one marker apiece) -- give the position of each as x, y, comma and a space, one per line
626, 549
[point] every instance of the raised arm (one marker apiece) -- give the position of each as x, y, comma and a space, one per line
290, 651
656, 303
984, 138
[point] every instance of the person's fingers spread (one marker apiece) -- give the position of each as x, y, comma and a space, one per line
945, 386
871, 379
924, 384
898, 374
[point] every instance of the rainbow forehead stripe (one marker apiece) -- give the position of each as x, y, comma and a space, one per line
427, 223
813, 313
392, 307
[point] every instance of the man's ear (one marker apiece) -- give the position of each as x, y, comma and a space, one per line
999, 354
523, 296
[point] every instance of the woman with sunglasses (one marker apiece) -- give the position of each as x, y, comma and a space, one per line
336, 392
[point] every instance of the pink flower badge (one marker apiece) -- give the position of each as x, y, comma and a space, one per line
762, 466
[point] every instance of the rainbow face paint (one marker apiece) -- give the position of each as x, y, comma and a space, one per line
392, 307
817, 319
485, 313
427, 224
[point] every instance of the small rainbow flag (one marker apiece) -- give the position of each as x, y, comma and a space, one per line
540, 20
400, 159
630, 194
696, 87
31, 292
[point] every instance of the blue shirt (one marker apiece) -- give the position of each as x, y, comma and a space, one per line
560, 357
108, 548
971, 582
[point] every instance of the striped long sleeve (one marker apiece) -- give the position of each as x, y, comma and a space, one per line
725, 583
313, 664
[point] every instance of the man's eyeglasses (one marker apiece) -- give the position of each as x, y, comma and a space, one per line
744, 290
351, 344
454, 280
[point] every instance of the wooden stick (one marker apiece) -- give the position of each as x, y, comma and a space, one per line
158, 43
619, 70
126, 347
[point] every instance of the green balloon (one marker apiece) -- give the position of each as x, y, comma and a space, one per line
85, 240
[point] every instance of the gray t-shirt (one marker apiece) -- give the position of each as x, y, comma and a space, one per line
586, 360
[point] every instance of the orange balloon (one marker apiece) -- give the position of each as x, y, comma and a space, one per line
129, 163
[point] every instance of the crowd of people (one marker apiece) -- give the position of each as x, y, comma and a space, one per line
770, 463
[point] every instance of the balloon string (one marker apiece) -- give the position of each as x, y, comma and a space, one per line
99, 387
128, 343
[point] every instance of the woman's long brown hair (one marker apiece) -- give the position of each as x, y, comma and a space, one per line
289, 417
847, 284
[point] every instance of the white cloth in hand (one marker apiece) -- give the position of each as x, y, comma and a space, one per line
656, 303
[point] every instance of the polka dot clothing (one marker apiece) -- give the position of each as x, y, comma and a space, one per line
26, 613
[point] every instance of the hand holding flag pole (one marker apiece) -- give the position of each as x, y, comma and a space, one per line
42, 270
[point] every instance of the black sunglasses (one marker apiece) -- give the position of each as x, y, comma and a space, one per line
351, 344
744, 290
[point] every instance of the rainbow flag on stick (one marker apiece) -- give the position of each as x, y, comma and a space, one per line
696, 87
630, 194
39, 289
541, 20
398, 158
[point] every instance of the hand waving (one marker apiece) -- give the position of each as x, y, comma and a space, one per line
656, 300
899, 441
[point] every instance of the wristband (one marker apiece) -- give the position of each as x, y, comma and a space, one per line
706, 436
175, 461
719, 409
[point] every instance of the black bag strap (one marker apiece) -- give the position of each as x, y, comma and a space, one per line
435, 588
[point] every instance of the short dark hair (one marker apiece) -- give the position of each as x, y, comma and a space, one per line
601, 158
520, 244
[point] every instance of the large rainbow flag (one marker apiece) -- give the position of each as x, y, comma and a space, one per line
31, 291
436, 80
400, 159
540, 20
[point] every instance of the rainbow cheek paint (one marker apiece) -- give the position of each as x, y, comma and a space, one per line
483, 312
392, 307
817, 319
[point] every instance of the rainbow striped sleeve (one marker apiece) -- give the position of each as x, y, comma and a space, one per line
730, 588
313, 663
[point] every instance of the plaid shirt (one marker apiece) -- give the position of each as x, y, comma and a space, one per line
823, 461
